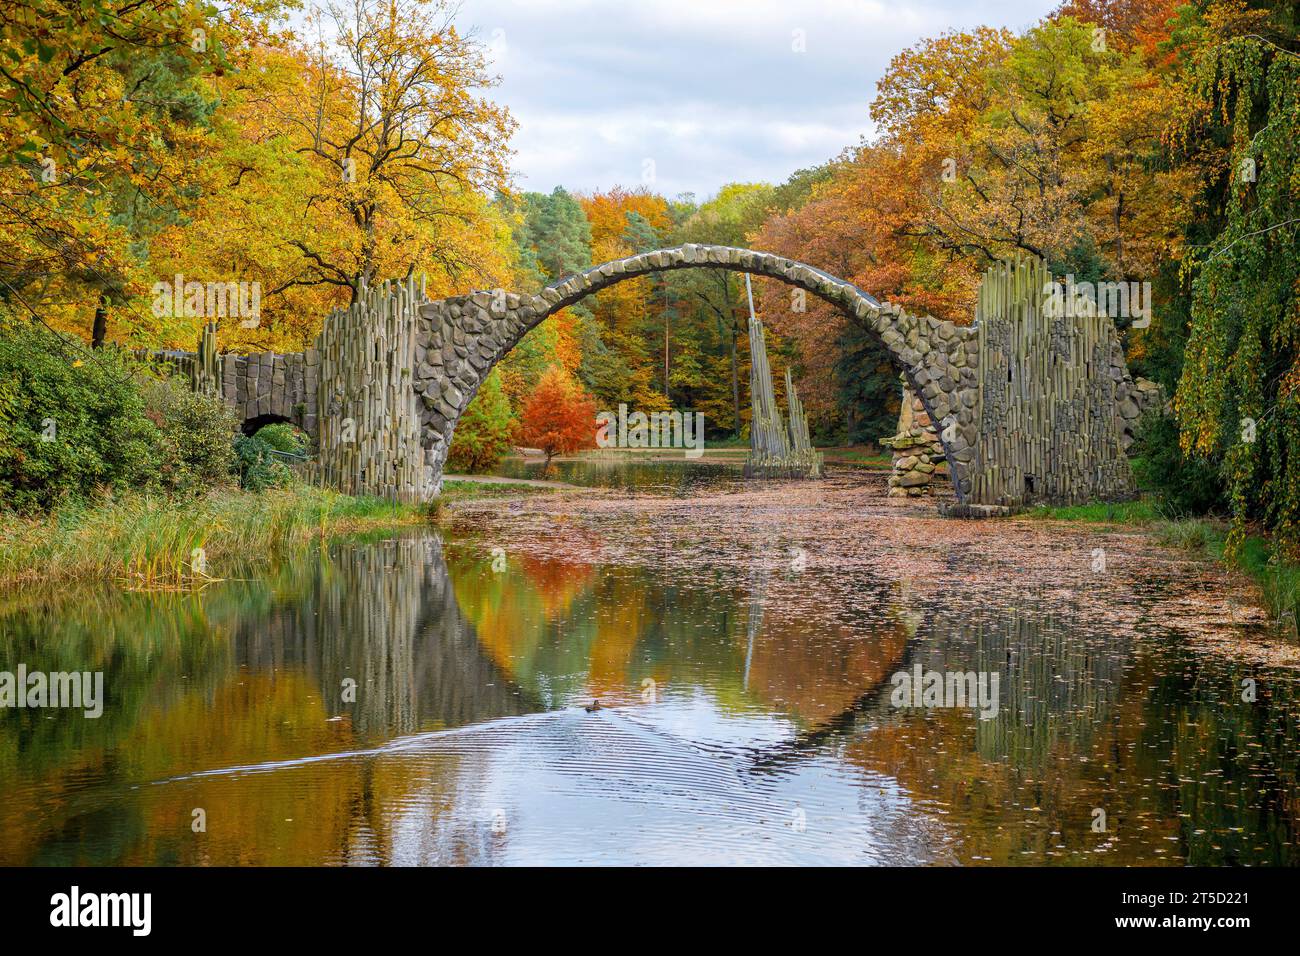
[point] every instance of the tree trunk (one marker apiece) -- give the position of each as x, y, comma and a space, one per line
1119, 235
735, 385
735, 372
666, 358
99, 331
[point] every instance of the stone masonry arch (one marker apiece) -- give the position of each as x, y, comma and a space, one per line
460, 339
1031, 404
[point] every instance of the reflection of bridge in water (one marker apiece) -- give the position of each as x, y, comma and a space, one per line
387, 618
774, 693
1056, 685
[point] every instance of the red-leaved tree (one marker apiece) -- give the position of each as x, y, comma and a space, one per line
559, 416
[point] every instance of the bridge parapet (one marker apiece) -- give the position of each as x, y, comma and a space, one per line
261, 387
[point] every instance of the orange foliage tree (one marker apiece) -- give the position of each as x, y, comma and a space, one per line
559, 416
630, 311
853, 225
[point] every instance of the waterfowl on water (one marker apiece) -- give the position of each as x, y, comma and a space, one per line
593, 706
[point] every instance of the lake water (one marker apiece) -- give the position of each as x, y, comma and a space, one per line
419, 698
669, 474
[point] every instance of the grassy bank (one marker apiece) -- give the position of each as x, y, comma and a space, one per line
151, 541
1119, 512
453, 490
1279, 582
858, 457
143, 540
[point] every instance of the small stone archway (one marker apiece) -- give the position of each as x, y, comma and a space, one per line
460, 339
250, 426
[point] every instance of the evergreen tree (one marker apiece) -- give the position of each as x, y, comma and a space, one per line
555, 237
483, 433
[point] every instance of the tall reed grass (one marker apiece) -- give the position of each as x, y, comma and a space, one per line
150, 541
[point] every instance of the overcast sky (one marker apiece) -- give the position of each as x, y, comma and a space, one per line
699, 93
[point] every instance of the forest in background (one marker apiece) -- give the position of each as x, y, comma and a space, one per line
1137, 140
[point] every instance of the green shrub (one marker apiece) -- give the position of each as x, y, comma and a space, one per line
1185, 486
70, 421
482, 435
1190, 534
195, 441
259, 467
282, 436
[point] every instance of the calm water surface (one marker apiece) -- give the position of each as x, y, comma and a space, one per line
746, 718
665, 473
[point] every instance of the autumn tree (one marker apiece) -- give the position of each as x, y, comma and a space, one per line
347, 162
854, 225
482, 435
242, 227
559, 417
103, 122
1045, 143
395, 117
624, 222
552, 239
1128, 23
728, 219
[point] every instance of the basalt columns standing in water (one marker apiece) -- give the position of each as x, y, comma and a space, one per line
777, 449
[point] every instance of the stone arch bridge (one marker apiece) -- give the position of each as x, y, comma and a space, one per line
1028, 407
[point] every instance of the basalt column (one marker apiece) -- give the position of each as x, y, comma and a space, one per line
369, 411
1054, 395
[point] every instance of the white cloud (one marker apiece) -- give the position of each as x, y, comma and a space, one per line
712, 90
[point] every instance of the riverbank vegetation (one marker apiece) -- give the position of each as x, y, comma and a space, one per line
152, 541
111, 469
